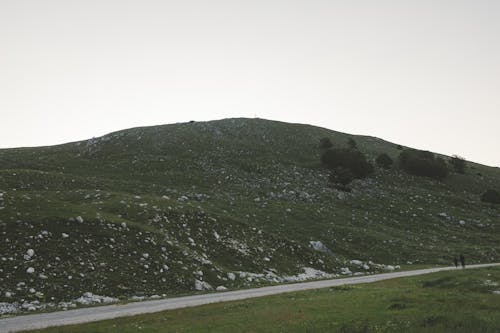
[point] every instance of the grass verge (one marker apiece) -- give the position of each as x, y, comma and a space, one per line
453, 301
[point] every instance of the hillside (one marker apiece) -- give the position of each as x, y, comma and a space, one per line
172, 209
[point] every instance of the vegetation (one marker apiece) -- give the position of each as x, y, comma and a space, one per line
325, 143
461, 301
351, 143
423, 163
384, 161
235, 203
350, 159
341, 177
491, 196
458, 163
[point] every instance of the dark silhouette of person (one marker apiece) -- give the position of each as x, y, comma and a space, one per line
455, 261
462, 260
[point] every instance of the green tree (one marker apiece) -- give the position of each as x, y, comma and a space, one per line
350, 159
341, 176
383, 160
491, 196
352, 144
325, 143
458, 163
422, 163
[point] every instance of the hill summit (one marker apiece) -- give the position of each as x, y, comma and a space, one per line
173, 209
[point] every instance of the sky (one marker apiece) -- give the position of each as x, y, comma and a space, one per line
424, 74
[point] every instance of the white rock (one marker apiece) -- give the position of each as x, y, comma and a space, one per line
7, 308
8, 294
221, 288
79, 219
345, 271
64, 235
443, 215
145, 255
318, 246
231, 276
89, 298
30, 252
30, 270
202, 285
389, 268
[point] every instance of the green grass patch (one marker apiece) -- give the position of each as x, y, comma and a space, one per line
453, 301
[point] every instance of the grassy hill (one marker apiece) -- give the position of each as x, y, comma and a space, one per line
177, 208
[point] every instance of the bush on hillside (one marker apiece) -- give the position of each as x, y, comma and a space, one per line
341, 176
422, 163
491, 196
325, 143
383, 160
352, 160
352, 144
458, 163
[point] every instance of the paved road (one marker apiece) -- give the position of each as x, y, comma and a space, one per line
78, 316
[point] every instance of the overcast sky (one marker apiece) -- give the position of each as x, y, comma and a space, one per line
420, 73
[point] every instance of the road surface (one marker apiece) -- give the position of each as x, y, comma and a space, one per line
85, 315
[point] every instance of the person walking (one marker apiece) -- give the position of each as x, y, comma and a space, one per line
455, 261
462, 260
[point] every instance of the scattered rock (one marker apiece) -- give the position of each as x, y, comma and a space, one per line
319, 246
202, 285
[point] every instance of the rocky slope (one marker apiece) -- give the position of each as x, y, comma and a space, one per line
175, 209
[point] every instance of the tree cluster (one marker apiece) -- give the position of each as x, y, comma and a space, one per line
422, 163
384, 161
346, 164
491, 196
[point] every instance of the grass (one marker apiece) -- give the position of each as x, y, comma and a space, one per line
258, 184
453, 301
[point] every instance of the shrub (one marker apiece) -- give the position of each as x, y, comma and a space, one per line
383, 160
491, 196
352, 160
422, 163
325, 143
341, 176
458, 163
352, 144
